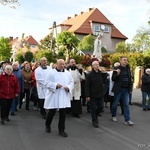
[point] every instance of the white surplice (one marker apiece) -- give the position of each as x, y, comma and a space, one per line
58, 98
77, 77
40, 75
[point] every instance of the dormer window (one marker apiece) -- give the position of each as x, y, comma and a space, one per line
106, 29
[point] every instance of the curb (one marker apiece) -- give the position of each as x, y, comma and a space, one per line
137, 104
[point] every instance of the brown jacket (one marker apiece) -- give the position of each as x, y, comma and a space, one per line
27, 78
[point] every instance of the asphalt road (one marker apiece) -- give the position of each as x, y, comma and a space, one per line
26, 131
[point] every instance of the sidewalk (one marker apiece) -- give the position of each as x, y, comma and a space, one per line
137, 97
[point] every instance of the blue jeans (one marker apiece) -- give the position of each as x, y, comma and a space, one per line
123, 94
96, 106
144, 96
14, 104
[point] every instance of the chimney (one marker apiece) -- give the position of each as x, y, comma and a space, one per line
11, 38
81, 12
90, 9
68, 18
75, 15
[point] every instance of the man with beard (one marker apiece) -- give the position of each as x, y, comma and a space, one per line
76, 106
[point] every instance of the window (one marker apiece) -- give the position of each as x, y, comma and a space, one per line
97, 28
106, 29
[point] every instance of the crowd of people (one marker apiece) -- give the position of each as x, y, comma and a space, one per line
67, 88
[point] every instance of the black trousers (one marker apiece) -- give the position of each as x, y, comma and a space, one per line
5, 107
27, 93
62, 118
41, 106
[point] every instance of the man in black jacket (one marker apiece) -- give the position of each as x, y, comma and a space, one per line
94, 90
121, 89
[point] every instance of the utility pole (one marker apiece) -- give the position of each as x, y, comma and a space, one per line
54, 33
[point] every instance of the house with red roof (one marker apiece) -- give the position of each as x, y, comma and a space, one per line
92, 22
24, 44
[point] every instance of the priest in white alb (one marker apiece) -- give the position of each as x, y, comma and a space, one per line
59, 84
40, 75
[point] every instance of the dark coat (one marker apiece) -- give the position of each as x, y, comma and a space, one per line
145, 87
94, 84
119, 78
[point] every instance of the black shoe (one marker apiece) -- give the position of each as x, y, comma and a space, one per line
12, 113
48, 129
95, 124
97, 120
2, 121
63, 133
144, 109
76, 115
131, 104
27, 109
148, 108
7, 119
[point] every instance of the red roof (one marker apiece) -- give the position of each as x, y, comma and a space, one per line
31, 40
115, 33
81, 23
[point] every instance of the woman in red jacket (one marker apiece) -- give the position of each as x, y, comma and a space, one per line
9, 88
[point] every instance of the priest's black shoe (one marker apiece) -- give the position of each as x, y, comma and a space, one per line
63, 133
7, 119
2, 121
48, 129
95, 124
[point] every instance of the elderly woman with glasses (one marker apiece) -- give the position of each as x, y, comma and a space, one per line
9, 88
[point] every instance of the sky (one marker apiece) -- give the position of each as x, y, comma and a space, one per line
35, 17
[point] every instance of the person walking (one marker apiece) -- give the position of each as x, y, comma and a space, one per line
34, 94
145, 88
18, 74
59, 83
94, 90
76, 104
111, 94
27, 74
121, 89
40, 76
9, 89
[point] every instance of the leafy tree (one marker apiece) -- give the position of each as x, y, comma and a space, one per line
146, 61
10, 3
19, 57
68, 40
45, 53
135, 59
87, 43
28, 56
48, 43
121, 47
5, 48
147, 52
104, 50
141, 40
